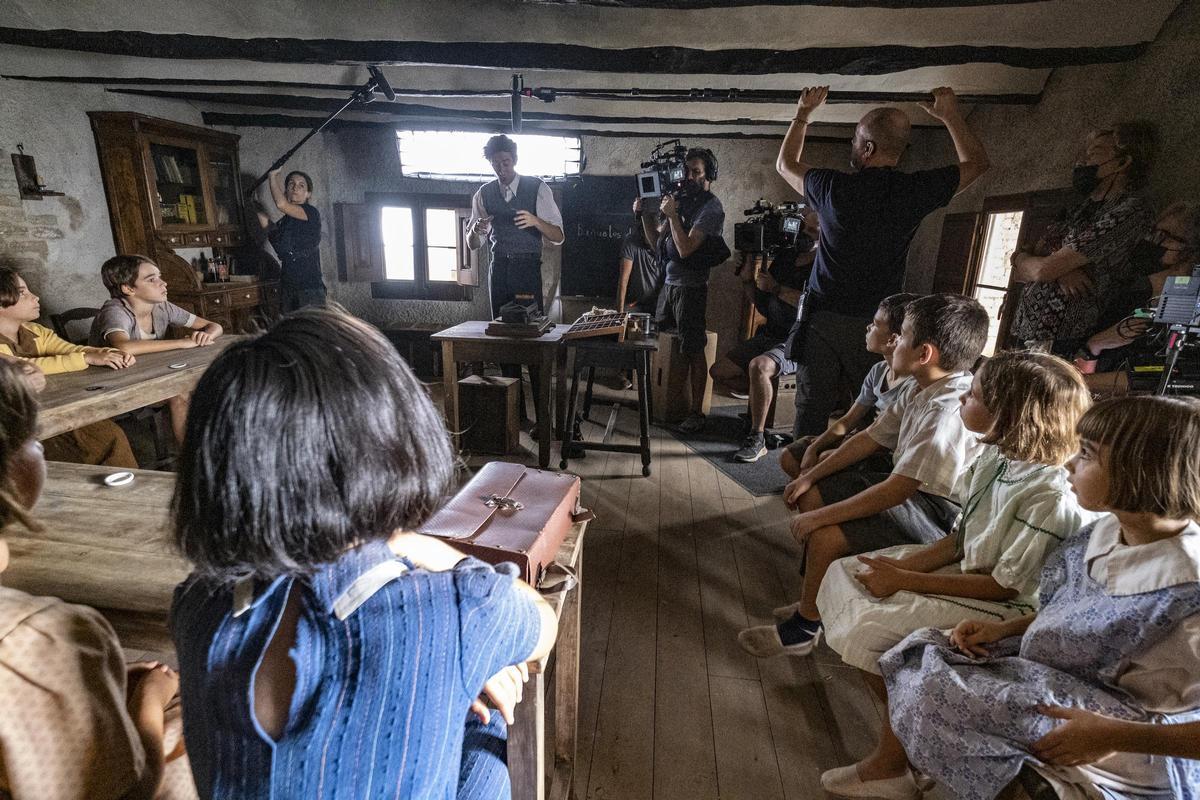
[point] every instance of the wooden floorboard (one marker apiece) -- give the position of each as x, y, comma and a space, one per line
671, 708
684, 755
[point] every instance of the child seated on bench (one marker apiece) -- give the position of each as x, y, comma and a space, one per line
1099, 691
77, 722
21, 338
137, 316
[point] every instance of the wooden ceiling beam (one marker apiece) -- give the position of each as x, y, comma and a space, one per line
246, 120
873, 60
635, 94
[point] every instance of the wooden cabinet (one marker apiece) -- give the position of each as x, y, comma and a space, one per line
173, 187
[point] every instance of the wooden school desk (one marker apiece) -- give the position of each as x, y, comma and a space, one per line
74, 399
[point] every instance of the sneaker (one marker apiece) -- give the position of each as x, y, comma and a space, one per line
784, 613
844, 782
763, 641
753, 448
694, 423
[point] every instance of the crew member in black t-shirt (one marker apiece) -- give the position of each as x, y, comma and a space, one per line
868, 219
641, 274
690, 245
296, 238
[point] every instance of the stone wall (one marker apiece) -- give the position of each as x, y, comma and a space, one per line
58, 243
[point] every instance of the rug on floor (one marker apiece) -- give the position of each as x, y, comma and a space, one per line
722, 436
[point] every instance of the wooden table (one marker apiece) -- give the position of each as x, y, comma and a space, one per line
110, 548
74, 399
467, 342
106, 547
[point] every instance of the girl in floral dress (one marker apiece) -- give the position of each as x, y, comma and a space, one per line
1114, 649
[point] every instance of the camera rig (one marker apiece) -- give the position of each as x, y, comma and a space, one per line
665, 172
770, 227
1179, 310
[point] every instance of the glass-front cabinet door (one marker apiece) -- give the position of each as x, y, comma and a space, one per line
178, 185
226, 208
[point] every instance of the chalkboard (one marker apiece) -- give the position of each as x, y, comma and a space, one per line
597, 213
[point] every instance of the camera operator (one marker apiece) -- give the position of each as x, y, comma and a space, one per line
690, 245
750, 366
868, 219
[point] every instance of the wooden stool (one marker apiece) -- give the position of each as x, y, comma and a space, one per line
589, 354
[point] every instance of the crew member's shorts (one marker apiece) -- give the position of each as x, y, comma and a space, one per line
683, 309
762, 344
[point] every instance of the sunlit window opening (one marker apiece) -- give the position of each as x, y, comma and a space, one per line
398, 243
458, 155
992, 286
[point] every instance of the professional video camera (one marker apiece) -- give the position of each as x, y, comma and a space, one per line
665, 172
771, 226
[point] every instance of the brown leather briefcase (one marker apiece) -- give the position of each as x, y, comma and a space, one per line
508, 512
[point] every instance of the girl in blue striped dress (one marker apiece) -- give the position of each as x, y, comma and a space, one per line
324, 652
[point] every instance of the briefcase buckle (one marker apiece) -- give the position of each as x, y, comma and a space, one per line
502, 503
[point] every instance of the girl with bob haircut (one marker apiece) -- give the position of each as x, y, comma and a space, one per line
326, 652
77, 722
1113, 652
1017, 507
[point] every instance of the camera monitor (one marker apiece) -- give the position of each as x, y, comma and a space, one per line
1179, 303
648, 185
791, 225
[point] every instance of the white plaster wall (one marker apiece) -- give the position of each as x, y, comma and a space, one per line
59, 242
1034, 147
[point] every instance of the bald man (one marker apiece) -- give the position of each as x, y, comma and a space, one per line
868, 219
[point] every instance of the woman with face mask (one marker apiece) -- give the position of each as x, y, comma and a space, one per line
1084, 258
1170, 249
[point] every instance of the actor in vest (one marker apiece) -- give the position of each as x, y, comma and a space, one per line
515, 213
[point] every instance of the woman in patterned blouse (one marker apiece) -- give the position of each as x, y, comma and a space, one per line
1082, 258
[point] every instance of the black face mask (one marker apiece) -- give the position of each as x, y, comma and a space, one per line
1146, 258
1086, 177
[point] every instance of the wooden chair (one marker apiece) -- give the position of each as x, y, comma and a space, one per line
61, 321
155, 416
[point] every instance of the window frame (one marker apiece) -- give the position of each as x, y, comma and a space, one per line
420, 287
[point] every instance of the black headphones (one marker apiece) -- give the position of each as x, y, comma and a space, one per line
705, 155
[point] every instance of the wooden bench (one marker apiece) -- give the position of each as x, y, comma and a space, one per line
414, 343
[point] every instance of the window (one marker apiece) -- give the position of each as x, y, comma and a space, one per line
408, 246
458, 155
1001, 232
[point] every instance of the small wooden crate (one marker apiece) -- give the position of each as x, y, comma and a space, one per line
782, 411
669, 388
487, 410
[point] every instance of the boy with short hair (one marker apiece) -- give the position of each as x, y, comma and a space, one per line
879, 390
846, 511
136, 317
20, 337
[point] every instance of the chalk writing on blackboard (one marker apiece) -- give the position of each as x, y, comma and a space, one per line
585, 231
